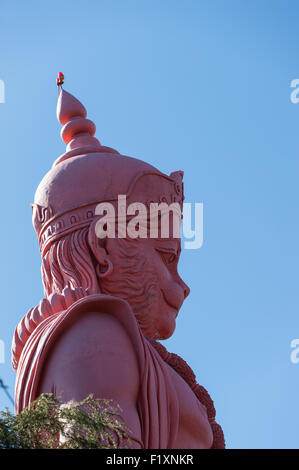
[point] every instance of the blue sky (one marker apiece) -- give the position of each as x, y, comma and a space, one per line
200, 86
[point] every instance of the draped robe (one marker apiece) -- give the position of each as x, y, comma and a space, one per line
157, 406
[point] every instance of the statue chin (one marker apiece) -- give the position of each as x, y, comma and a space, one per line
166, 326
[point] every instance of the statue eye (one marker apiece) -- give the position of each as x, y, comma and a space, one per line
171, 257
168, 257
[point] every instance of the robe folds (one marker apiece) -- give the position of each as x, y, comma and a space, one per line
157, 406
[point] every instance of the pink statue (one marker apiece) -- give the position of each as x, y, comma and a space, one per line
108, 300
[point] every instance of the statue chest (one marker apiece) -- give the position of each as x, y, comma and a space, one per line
194, 430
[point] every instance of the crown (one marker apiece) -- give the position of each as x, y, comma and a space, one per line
88, 174
50, 226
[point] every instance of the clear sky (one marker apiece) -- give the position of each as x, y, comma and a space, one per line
201, 86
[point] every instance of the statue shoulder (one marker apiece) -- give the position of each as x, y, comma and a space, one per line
94, 352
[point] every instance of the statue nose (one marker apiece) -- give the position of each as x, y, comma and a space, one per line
186, 290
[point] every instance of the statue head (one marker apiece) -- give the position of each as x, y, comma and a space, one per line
140, 270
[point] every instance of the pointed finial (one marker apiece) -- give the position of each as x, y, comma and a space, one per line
77, 131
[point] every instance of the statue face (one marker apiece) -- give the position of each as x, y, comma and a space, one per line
172, 291
145, 274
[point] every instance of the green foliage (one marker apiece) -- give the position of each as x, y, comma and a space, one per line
49, 424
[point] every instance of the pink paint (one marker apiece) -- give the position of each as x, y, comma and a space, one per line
108, 302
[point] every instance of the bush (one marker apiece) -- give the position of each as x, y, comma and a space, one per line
49, 424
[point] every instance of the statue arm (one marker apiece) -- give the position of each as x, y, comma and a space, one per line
95, 355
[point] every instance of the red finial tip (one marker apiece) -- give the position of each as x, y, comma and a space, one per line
60, 79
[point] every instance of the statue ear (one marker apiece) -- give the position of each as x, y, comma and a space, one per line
98, 247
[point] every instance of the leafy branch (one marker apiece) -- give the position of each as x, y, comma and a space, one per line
50, 424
